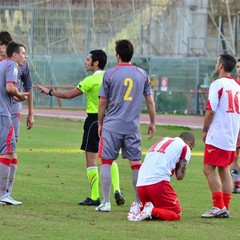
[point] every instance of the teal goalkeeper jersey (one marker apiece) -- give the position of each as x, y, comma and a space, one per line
91, 86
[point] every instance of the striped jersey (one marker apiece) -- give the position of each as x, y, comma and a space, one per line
124, 87
161, 160
8, 73
223, 99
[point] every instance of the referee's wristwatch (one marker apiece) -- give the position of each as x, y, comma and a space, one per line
50, 92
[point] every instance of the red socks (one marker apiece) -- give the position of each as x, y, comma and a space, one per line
227, 198
221, 199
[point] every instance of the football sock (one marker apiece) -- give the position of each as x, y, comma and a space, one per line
164, 214
13, 169
115, 177
217, 199
135, 170
4, 175
106, 181
93, 178
227, 198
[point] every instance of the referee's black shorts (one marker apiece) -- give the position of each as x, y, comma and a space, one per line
90, 139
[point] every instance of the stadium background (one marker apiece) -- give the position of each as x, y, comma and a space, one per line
174, 40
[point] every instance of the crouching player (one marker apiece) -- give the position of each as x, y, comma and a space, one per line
156, 194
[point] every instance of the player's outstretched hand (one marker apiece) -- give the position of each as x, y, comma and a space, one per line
42, 89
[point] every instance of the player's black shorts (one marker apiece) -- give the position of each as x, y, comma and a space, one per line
90, 139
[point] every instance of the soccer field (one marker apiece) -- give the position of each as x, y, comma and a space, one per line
51, 180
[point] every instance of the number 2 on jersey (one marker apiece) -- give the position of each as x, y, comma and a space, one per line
128, 82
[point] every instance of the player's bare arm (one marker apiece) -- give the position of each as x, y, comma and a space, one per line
65, 95
151, 111
101, 112
181, 170
30, 117
207, 122
13, 91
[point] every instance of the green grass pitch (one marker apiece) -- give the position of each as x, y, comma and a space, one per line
51, 180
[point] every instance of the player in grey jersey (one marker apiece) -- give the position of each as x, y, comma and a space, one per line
119, 116
24, 83
8, 94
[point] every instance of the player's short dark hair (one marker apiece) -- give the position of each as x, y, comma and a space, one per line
228, 62
5, 37
238, 60
100, 56
187, 136
125, 49
13, 47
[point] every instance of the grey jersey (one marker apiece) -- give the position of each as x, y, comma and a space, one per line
8, 73
124, 87
24, 81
